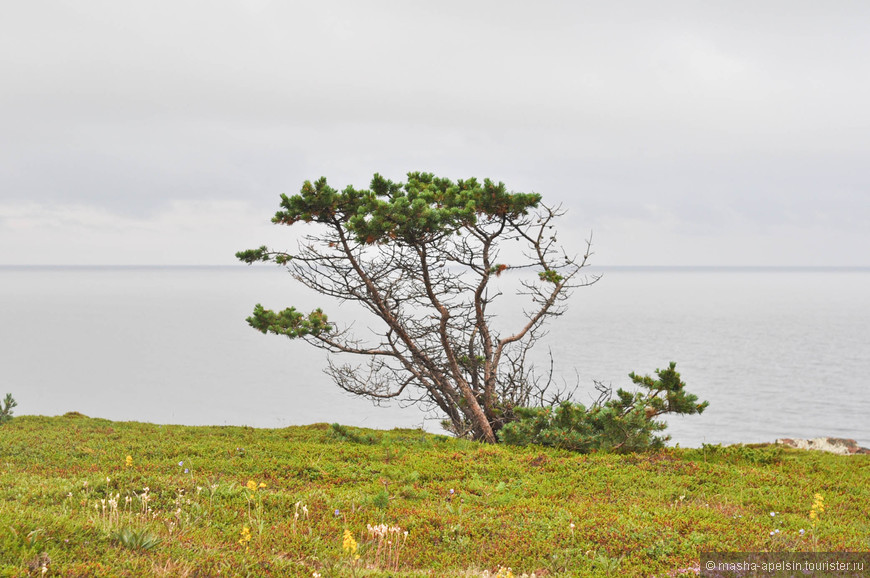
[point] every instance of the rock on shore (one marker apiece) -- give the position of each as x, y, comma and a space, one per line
840, 446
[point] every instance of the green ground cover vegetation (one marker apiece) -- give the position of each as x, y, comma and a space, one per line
91, 497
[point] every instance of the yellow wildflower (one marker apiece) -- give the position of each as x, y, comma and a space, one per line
252, 485
349, 545
818, 508
129, 461
245, 536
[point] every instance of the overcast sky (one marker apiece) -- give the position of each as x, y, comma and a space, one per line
680, 133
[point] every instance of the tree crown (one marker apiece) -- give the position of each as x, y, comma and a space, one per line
422, 208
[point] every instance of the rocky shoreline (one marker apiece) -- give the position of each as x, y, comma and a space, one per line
842, 446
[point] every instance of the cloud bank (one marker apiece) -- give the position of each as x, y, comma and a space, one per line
681, 133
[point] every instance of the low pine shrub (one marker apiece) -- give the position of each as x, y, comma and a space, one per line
6, 410
624, 422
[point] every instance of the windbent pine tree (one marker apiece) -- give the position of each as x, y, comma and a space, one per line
426, 258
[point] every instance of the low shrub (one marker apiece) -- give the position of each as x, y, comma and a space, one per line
621, 423
6, 410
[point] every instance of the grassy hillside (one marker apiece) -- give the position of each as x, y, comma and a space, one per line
236, 501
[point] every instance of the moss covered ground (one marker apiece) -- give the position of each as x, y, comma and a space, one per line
91, 497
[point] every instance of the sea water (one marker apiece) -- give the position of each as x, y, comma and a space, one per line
776, 352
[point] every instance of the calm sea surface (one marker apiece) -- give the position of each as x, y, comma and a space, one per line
777, 353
